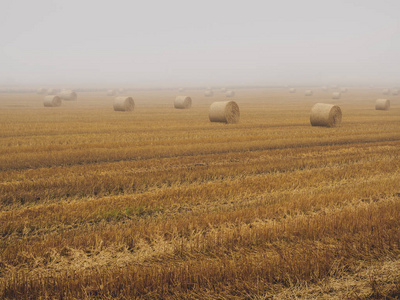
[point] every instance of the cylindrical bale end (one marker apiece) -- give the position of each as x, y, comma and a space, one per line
326, 115
68, 95
382, 104
123, 104
52, 101
225, 112
183, 102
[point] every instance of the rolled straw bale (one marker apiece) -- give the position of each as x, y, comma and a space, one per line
123, 103
327, 115
208, 93
41, 91
395, 92
292, 90
230, 94
385, 91
324, 88
225, 111
223, 90
111, 92
181, 90
382, 104
343, 90
68, 95
308, 93
52, 101
183, 102
121, 90
336, 95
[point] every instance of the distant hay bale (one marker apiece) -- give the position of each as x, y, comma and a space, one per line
324, 88
395, 92
52, 101
225, 111
208, 93
121, 91
229, 94
343, 90
327, 115
41, 91
111, 92
181, 90
223, 90
308, 93
385, 91
382, 104
336, 95
183, 102
123, 104
68, 95
292, 90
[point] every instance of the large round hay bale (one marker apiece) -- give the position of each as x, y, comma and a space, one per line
327, 115
123, 104
225, 111
208, 93
41, 91
395, 92
308, 93
382, 104
230, 94
111, 92
183, 102
336, 95
292, 90
68, 95
385, 91
52, 101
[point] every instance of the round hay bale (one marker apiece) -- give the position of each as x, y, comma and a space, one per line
208, 93
229, 94
336, 95
111, 92
182, 102
308, 93
41, 91
68, 95
123, 104
343, 90
181, 90
395, 92
382, 104
292, 90
52, 101
121, 90
225, 111
52, 91
327, 115
385, 91
223, 90
324, 88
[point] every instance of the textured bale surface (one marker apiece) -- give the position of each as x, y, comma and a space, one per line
52, 101
124, 104
230, 94
336, 95
382, 104
225, 111
68, 95
328, 115
183, 102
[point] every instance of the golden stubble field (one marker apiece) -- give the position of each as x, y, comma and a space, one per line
162, 203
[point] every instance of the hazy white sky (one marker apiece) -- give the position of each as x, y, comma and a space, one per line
199, 42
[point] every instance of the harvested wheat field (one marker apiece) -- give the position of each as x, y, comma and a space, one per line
162, 203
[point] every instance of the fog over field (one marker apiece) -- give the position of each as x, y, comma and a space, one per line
181, 43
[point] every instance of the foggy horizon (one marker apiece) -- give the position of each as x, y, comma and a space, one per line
179, 43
